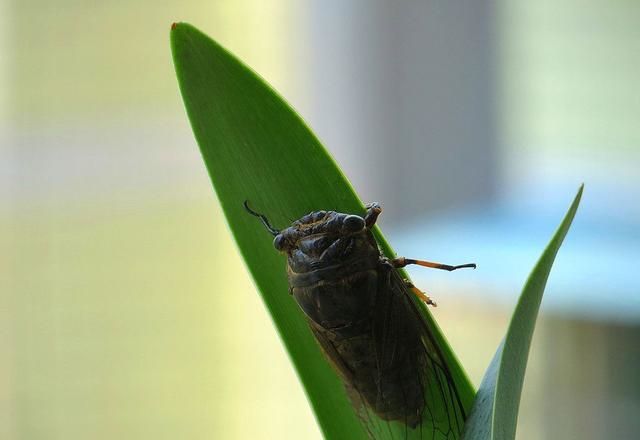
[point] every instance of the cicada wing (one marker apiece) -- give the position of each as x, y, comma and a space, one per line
331, 354
345, 373
415, 386
394, 373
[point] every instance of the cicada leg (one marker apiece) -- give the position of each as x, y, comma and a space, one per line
402, 262
373, 211
420, 294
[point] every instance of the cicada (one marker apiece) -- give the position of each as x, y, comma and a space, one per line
359, 308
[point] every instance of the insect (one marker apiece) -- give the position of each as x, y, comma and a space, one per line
360, 310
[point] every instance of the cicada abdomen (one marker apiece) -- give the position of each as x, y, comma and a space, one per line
360, 311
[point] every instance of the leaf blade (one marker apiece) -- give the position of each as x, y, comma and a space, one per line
495, 411
256, 147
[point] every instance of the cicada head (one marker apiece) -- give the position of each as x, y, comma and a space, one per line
324, 239
326, 244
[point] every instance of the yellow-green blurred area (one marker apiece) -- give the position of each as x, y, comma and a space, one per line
125, 309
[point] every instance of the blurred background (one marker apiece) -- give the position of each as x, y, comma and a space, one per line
125, 310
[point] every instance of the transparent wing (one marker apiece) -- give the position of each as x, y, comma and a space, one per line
394, 372
421, 397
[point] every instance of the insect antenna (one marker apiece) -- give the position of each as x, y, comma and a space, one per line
262, 218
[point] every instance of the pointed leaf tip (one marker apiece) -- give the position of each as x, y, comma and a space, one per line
494, 414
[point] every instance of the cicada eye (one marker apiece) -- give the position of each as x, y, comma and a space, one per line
279, 242
353, 223
319, 215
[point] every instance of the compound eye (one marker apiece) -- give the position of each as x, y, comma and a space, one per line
279, 242
319, 215
353, 223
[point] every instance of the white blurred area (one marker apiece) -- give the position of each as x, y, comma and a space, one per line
126, 311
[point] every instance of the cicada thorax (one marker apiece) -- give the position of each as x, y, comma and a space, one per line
356, 310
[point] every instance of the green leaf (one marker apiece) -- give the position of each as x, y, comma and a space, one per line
257, 148
495, 411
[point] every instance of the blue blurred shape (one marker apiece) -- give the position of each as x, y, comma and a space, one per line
595, 275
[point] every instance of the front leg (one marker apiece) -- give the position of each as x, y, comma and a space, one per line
373, 211
402, 262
